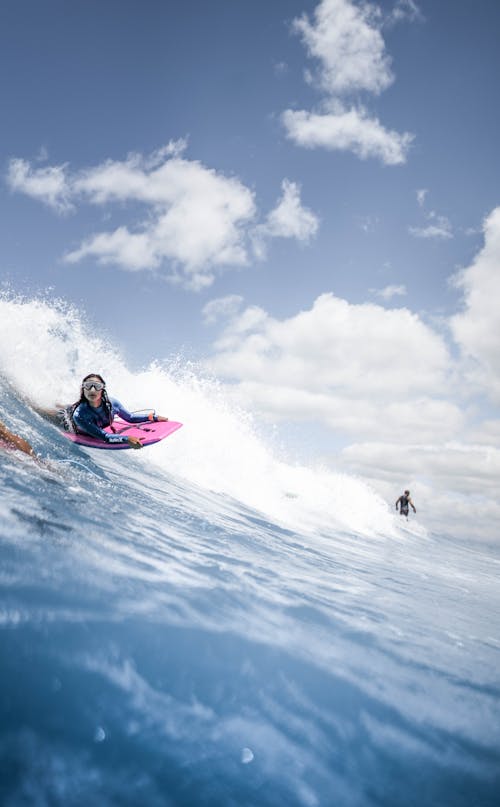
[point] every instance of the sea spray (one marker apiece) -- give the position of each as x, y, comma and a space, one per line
47, 347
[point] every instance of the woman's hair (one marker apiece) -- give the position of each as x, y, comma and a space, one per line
105, 399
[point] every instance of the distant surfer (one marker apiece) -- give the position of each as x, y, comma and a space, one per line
10, 440
404, 503
94, 411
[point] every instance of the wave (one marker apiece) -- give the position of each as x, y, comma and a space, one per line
46, 347
203, 622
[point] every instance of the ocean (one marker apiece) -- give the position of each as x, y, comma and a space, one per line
206, 622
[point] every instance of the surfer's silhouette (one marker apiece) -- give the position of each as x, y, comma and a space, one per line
404, 502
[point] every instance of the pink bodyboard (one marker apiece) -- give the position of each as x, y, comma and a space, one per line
148, 433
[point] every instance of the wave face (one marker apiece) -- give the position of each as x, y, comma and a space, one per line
205, 623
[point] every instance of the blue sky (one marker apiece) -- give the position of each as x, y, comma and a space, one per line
195, 175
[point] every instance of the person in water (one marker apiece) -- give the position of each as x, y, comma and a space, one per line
11, 440
404, 502
94, 411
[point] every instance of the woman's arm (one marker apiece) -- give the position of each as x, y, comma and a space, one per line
120, 410
15, 441
85, 423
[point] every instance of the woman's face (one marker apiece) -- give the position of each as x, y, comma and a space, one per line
91, 393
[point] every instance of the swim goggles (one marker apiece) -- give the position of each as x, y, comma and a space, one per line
87, 385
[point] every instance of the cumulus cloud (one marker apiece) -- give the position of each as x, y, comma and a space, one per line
350, 415
347, 130
380, 379
345, 41
476, 328
196, 219
336, 345
289, 219
386, 384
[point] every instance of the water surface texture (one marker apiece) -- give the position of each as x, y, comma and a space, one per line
200, 623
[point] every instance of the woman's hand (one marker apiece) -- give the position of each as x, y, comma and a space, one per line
160, 417
134, 442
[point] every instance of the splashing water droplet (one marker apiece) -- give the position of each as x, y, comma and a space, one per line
100, 735
246, 755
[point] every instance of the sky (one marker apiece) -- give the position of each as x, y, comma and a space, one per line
301, 197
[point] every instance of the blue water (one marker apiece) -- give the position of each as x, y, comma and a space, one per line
167, 645
201, 623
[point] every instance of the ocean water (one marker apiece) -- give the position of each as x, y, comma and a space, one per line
204, 622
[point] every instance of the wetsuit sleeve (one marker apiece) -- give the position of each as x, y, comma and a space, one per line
84, 422
119, 409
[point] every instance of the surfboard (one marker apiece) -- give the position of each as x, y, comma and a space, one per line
148, 433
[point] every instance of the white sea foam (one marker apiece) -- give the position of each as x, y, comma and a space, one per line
46, 347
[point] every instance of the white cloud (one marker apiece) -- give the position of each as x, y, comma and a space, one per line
352, 415
347, 130
129, 250
289, 219
344, 37
454, 485
358, 370
439, 227
194, 220
335, 347
384, 382
457, 466
404, 10
48, 185
389, 292
198, 217
221, 308
421, 194
486, 433
477, 328
43, 154
346, 41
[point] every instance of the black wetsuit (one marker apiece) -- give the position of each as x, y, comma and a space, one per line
404, 504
